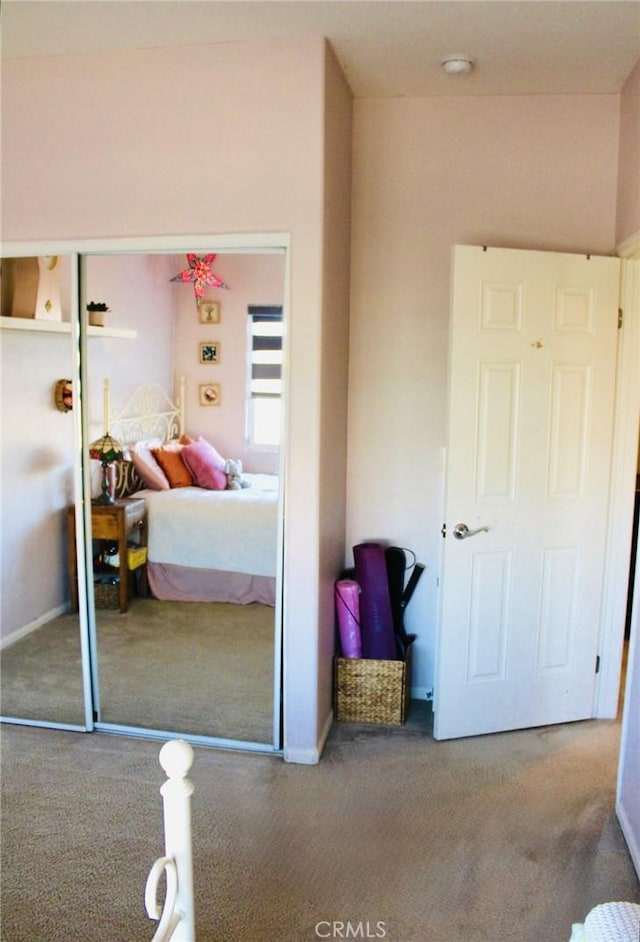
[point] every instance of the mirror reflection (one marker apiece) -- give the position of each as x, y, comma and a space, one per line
41, 671
187, 385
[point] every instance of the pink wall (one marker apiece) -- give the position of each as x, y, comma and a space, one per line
252, 279
162, 141
628, 220
137, 291
332, 458
220, 139
36, 477
164, 314
536, 172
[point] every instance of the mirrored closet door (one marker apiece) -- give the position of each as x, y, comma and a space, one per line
141, 491
42, 672
187, 383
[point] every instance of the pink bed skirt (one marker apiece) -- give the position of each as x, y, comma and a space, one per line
184, 584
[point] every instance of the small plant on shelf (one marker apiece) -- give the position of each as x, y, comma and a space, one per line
96, 311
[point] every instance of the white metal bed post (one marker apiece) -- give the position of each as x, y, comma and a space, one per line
181, 403
106, 406
177, 916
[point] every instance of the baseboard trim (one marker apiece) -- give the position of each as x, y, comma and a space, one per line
302, 756
328, 723
20, 633
629, 836
422, 693
310, 756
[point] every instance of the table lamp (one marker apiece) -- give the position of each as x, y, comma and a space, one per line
106, 450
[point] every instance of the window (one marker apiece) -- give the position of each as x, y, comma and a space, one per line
265, 375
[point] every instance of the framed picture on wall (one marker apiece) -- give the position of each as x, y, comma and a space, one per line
210, 352
210, 394
209, 312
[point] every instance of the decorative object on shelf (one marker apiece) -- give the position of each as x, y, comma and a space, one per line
200, 274
63, 395
106, 450
20, 286
209, 311
97, 310
210, 352
210, 394
48, 302
31, 288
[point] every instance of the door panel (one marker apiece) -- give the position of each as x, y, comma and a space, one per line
191, 667
41, 674
532, 372
499, 396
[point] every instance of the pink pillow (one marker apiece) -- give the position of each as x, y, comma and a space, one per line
150, 472
205, 464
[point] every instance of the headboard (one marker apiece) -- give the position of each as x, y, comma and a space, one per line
148, 413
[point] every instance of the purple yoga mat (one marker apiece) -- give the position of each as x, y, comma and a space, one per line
348, 609
376, 617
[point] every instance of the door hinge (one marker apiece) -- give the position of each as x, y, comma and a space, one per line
443, 530
619, 318
597, 663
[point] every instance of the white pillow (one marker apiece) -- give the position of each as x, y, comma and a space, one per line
150, 472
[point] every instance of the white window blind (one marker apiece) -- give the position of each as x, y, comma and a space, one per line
265, 375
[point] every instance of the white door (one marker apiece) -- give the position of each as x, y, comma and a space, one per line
532, 377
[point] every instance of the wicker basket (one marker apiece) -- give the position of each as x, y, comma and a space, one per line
106, 594
370, 691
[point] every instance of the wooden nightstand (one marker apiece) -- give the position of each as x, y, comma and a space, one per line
122, 523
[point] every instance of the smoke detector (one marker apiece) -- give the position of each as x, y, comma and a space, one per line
457, 64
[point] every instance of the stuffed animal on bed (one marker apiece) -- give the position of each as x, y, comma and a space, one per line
233, 470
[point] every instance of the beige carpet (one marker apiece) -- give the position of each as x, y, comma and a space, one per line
506, 838
42, 676
194, 667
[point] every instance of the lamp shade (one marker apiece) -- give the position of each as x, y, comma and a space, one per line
106, 449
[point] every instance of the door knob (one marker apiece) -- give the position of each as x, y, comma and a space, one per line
461, 531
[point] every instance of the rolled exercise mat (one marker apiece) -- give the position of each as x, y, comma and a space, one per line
396, 562
348, 609
376, 617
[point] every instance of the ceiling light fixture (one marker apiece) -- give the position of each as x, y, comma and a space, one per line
457, 64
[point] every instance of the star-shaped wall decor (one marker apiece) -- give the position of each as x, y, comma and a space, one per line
200, 274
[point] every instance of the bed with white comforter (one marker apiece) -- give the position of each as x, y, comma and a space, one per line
203, 545
214, 546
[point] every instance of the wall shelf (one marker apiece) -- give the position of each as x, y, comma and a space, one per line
62, 327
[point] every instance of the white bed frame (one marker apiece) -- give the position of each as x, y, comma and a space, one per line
148, 413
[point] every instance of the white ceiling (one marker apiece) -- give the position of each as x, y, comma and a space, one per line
387, 48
